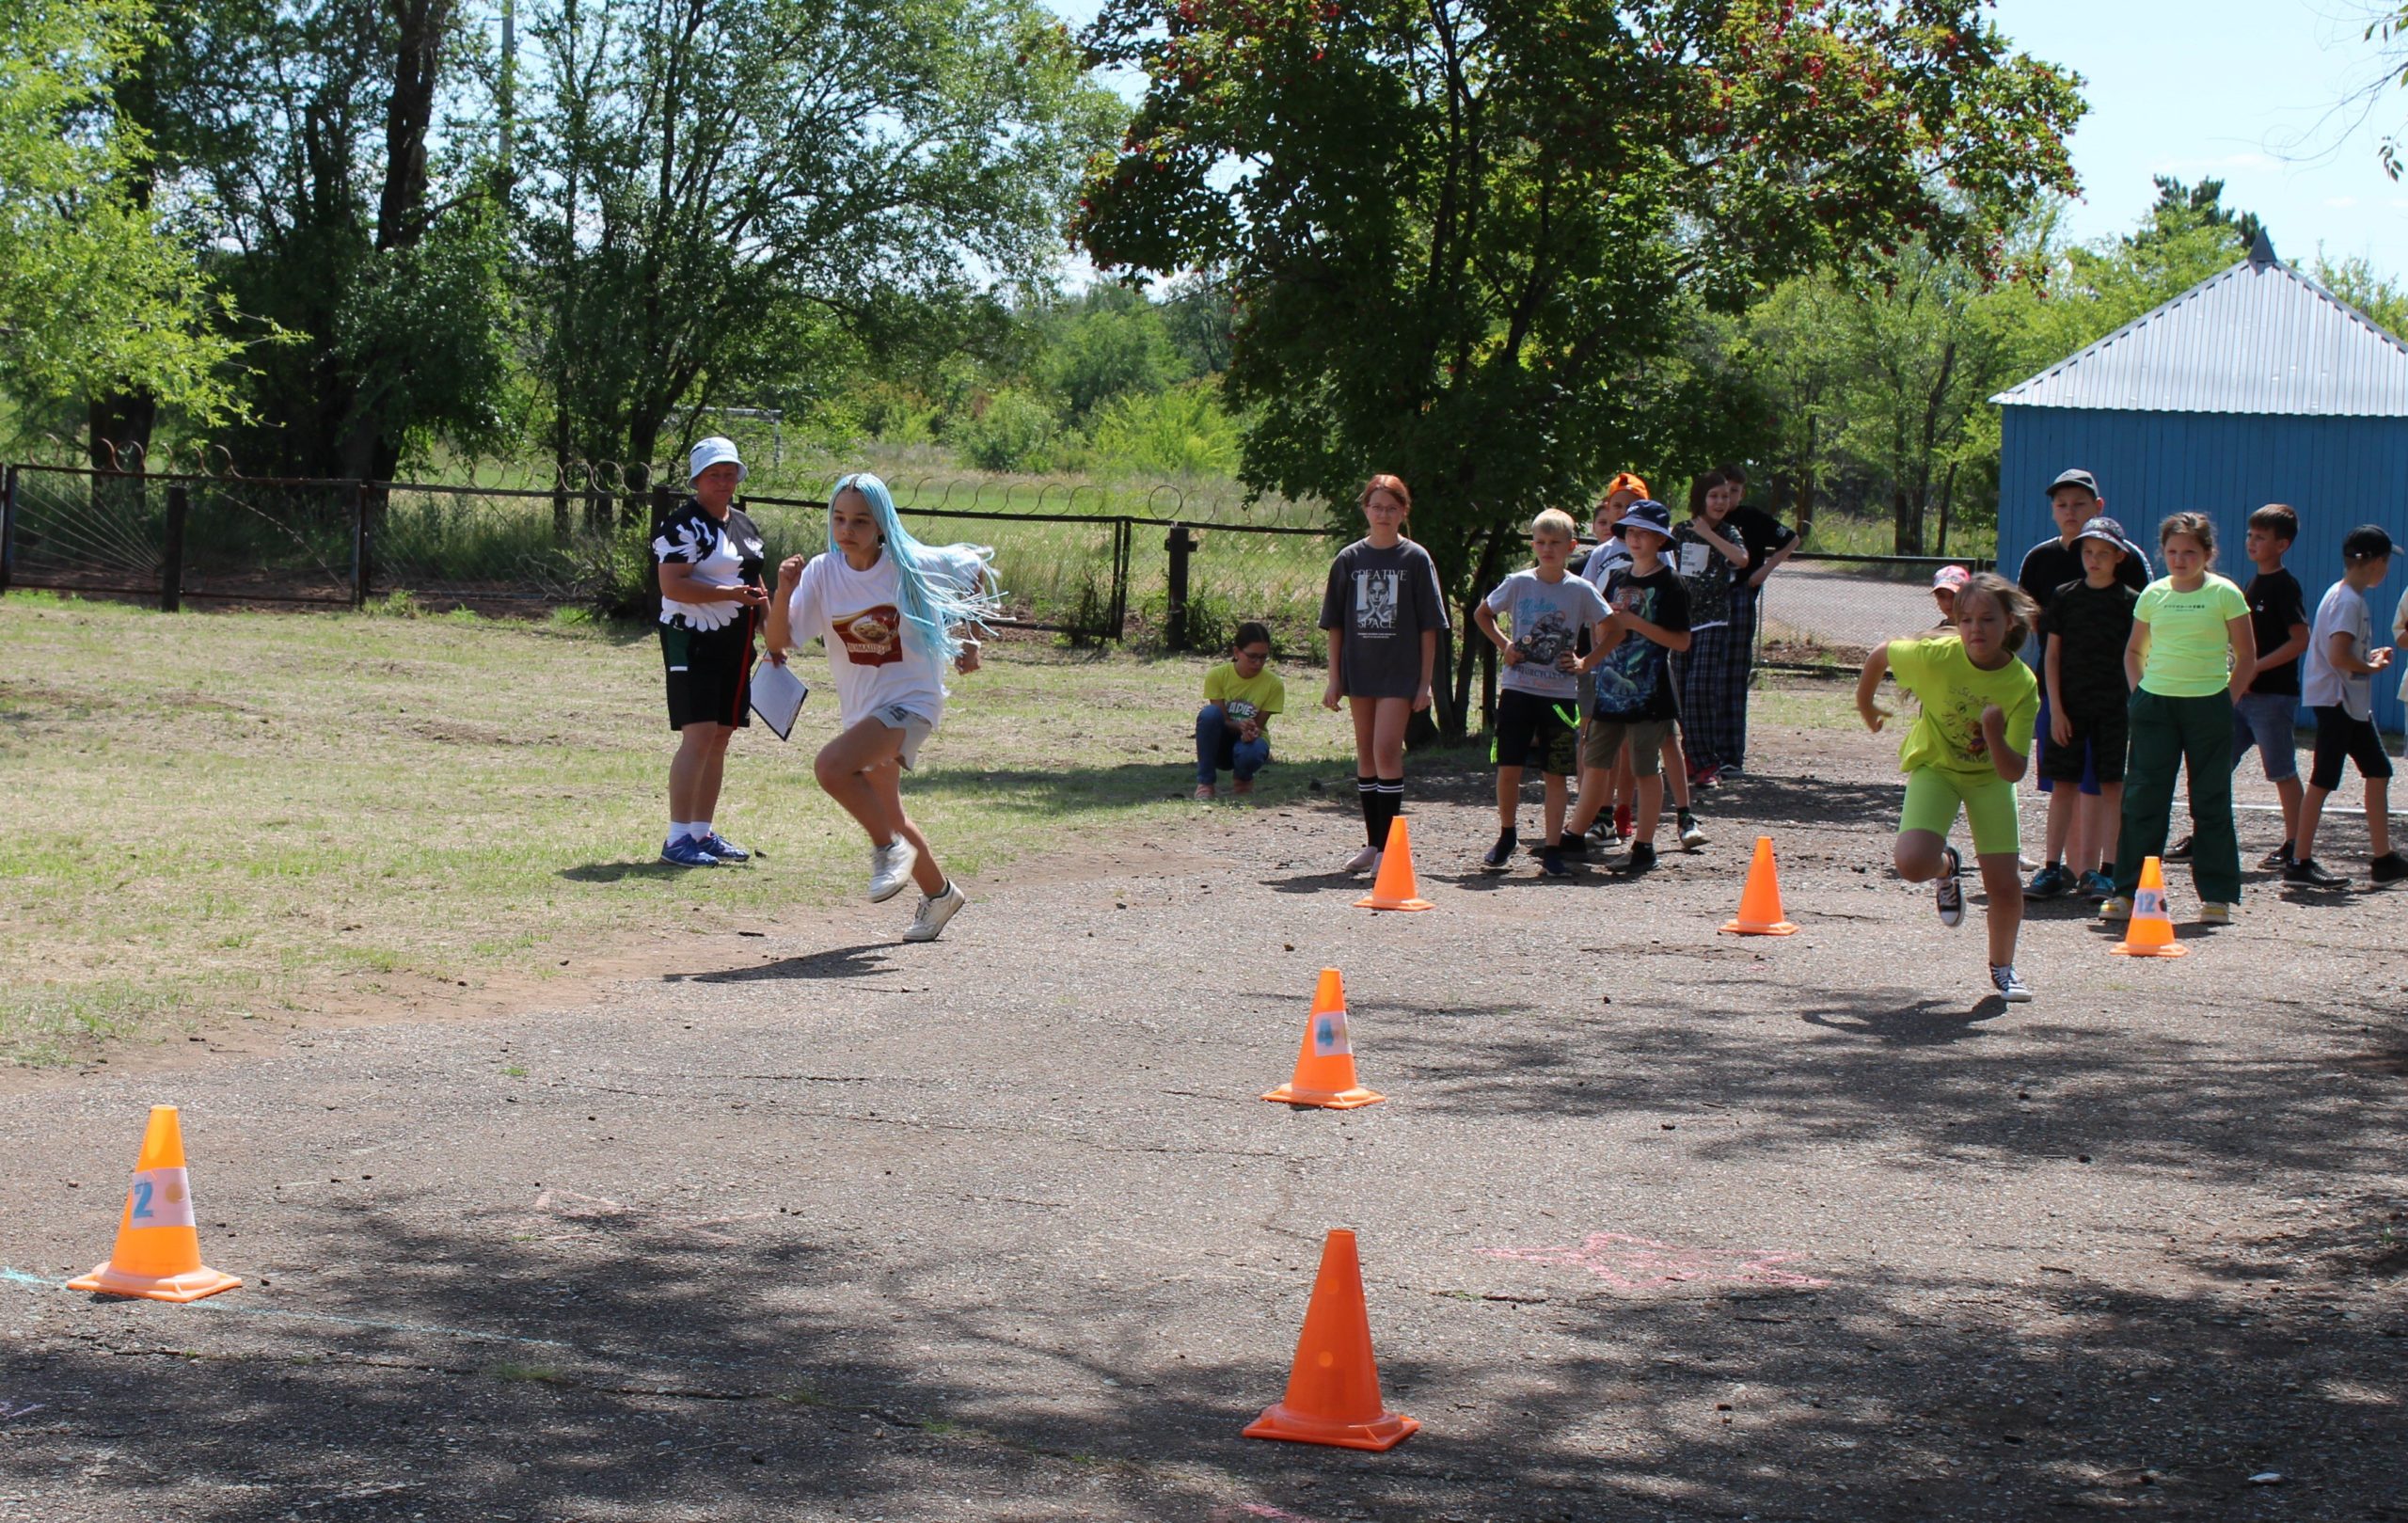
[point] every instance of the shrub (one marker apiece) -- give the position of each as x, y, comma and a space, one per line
1014, 431
1181, 432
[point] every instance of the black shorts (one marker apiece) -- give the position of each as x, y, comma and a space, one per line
1532, 732
2102, 737
2340, 738
710, 673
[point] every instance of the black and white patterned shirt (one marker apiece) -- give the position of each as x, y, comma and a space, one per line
724, 554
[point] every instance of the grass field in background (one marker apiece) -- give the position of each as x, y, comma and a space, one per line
219, 814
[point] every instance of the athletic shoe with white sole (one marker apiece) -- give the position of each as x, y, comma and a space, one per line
724, 850
929, 923
2118, 908
1365, 861
1949, 894
2010, 987
890, 868
2211, 913
686, 852
2096, 887
1691, 838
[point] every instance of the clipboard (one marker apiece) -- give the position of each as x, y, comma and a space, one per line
777, 696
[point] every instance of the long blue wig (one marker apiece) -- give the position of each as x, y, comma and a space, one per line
934, 604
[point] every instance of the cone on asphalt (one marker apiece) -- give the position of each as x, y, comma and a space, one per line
1395, 888
1760, 900
1325, 1065
2149, 932
158, 1245
1334, 1386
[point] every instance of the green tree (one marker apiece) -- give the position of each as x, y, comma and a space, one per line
95, 295
1464, 236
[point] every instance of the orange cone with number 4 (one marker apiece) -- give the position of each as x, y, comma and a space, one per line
1760, 900
1395, 888
1326, 1066
1334, 1386
158, 1245
2151, 931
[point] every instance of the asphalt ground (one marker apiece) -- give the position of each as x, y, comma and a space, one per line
1655, 1222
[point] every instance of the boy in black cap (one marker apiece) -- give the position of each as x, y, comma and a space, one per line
2087, 625
2342, 660
2074, 501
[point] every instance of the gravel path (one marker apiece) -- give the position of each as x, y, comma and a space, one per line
1655, 1223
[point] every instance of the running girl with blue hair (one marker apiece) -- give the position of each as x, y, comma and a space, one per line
894, 614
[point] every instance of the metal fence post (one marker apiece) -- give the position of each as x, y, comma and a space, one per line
362, 545
1175, 611
7, 526
1123, 539
171, 555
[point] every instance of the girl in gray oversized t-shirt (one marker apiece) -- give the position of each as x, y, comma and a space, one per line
1380, 601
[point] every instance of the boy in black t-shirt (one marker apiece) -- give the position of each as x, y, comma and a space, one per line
2087, 625
2268, 714
1634, 697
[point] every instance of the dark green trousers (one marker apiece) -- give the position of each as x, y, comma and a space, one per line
2196, 735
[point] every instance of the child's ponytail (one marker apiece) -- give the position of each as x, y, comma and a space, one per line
933, 604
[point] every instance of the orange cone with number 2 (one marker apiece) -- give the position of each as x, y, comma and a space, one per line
1334, 1387
1325, 1065
1760, 900
1395, 888
2151, 931
158, 1245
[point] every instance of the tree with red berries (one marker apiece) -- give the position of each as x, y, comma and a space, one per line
1466, 239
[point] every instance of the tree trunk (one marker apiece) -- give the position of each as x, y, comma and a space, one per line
1947, 496
1455, 724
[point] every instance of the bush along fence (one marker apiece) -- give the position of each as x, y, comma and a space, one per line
1092, 576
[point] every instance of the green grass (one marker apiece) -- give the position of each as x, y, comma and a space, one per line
217, 815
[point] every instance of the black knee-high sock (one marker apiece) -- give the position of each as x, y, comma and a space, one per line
1392, 806
1366, 793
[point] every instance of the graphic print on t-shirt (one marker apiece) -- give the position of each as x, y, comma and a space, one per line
1549, 636
1630, 673
1375, 601
873, 637
1240, 711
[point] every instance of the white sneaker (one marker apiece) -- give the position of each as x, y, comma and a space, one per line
2010, 987
2212, 912
1365, 861
890, 868
929, 923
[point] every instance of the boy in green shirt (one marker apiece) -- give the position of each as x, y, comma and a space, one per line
1232, 731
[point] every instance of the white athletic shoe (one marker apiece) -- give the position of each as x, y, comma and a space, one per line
890, 868
1365, 861
2010, 987
929, 923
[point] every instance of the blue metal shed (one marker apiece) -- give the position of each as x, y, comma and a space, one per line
2255, 386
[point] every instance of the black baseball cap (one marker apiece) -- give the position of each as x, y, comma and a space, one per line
2368, 542
2076, 477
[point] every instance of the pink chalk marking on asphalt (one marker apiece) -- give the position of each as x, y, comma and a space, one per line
1638, 1264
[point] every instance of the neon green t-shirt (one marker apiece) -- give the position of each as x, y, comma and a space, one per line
1255, 699
2189, 645
1947, 736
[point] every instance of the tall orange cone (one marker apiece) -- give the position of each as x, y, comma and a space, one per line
1395, 889
158, 1246
1325, 1063
2151, 931
1760, 900
1334, 1387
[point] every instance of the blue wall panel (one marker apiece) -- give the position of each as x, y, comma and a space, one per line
2337, 472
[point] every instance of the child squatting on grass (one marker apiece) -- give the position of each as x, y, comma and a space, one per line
893, 612
1966, 749
1383, 613
1233, 729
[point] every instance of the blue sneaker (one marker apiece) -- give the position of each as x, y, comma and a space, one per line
724, 850
686, 852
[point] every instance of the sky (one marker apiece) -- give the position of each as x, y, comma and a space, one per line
2248, 91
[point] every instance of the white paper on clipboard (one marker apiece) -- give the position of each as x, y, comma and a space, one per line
777, 696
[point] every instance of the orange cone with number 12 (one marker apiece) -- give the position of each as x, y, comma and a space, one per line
1334, 1387
2151, 931
1326, 1066
158, 1245
1395, 888
1760, 900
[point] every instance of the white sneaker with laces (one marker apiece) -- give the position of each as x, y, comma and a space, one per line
2010, 987
929, 923
1365, 861
890, 868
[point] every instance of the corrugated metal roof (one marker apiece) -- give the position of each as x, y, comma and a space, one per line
2258, 338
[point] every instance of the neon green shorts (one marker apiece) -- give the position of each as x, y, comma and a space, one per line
1933, 799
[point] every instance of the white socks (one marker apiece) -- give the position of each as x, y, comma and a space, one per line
679, 829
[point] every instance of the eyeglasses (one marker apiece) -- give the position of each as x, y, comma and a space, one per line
1255, 655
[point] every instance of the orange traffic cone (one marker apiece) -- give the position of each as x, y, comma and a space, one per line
1325, 1065
1760, 900
1395, 889
2151, 931
1334, 1387
158, 1249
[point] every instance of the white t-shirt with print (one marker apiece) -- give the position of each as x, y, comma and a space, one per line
878, 659
2322, 685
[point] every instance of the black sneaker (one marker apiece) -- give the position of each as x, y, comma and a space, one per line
2179, 852
2050, 882
2387, 868
1643, 857
1500, 856
1949, 895
1575, 846
2308, 872
2280, 857
1552, 865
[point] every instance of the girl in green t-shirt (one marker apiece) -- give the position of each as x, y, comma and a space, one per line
1966, 751
2191, 653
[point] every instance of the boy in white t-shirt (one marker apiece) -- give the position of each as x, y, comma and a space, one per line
893, 612
2336, 683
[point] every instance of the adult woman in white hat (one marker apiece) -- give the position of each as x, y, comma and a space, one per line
710, 559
